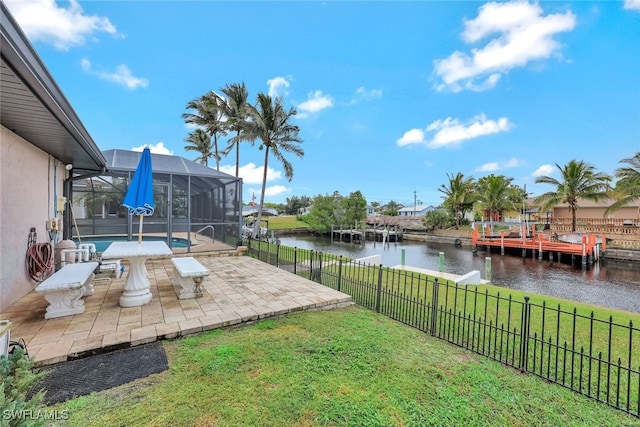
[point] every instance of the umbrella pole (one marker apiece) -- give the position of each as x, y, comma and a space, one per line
140, 230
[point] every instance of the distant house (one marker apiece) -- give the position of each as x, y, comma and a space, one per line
253, 211
588, 212
371, 211
418, 210
593, 212
304, 211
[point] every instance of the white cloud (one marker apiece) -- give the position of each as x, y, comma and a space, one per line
494, 166
45, 21
544, 170
450, 132
522, 34
316, 102
275, 190
278, 86
121, 76
512, 163
413, 136
364, 94
158, 148
251, 174
489, 167
632, 4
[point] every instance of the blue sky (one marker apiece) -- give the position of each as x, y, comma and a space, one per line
391, 96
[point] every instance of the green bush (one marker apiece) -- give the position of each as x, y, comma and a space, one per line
18, 378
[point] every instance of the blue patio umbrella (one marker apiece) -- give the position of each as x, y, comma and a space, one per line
139, 197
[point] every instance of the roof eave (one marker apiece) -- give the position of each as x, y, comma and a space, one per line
19, 55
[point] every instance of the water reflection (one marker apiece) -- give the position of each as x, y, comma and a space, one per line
613, 284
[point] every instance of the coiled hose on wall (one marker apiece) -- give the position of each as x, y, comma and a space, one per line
39, 258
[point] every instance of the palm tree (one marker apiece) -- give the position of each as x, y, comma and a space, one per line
207, 116
579, 180
236, 109
459, 195
497, 194
627, 188
270, 123
200, 142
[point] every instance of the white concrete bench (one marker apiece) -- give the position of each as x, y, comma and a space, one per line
64, 288
471, 278
187, 275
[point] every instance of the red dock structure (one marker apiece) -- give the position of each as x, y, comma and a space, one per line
589, 248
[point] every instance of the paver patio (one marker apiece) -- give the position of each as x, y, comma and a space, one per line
239, 289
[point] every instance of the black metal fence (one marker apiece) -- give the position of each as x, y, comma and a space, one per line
598, 358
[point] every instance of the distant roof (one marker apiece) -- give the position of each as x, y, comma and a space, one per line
418, 208
254, 211
33, 106
125, 160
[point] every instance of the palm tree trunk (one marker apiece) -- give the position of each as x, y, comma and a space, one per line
256, 227
238, 157
236, 205
215, 151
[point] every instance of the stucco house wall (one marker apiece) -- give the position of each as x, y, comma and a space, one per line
589, 210
29, 180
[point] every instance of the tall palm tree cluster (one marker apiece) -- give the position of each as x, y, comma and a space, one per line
217, 115
577, 181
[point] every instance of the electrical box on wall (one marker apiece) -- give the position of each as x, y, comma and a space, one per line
54, 224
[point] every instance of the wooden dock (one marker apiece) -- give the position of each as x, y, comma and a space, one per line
590, 248
358, 235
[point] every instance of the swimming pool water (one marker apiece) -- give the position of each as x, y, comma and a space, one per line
103, 242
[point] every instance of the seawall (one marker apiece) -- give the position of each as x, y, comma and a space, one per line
463, 238
622, 254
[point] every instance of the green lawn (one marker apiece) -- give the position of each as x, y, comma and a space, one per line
285, 222
334, 368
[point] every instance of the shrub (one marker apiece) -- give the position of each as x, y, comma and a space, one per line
18, 378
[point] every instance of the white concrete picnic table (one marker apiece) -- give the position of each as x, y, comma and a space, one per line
136, 290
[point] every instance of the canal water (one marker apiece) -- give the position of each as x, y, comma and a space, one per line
611, 283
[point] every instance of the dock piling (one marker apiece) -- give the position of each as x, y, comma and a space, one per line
487, 268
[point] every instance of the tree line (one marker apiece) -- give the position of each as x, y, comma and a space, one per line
489, 197
268, 120
577, 181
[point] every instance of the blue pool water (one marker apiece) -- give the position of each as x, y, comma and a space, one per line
103, 242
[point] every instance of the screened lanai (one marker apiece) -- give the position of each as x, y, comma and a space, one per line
196, 207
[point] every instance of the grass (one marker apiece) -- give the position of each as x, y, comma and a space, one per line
349, 367
558, 336
486, 302
584, 347
285, 222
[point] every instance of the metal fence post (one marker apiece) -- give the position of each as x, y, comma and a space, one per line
379, 292
434, 307
339, 273
295, 260
311, 265
524, 335
319, 269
